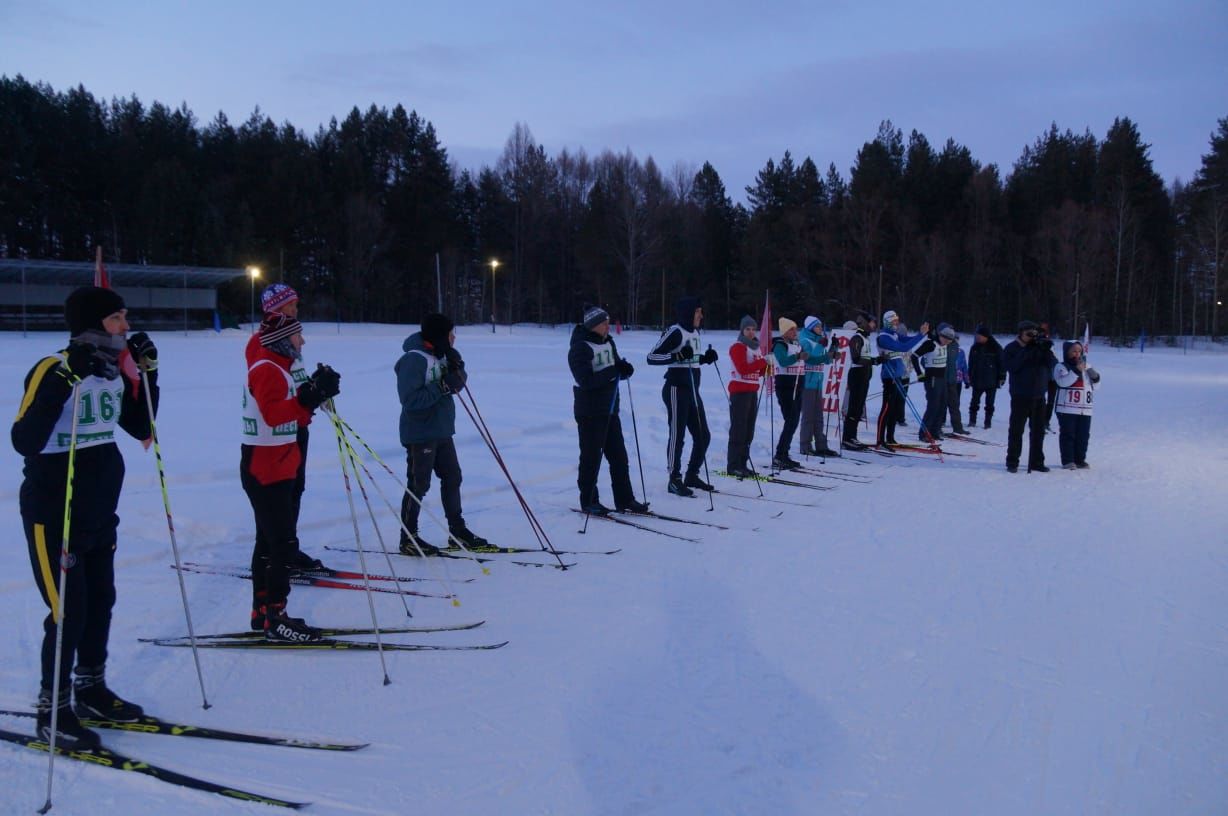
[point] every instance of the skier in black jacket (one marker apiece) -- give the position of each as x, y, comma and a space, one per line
1030, 361
85, 376
986, 372
597, 368
678, 348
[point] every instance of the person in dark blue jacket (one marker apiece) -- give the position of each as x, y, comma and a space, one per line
597, 369
678, 349
896, 346
1029, 360
428, 374
986, 373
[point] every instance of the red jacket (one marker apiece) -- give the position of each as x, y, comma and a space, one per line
744, 369
275, 463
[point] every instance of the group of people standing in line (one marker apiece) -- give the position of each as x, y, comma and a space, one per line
796, 361
104, 380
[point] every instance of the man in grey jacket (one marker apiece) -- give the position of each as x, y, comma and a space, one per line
428, 374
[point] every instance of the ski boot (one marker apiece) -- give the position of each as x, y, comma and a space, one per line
279, 626
94, 701
71, 735
679, 489
693, 480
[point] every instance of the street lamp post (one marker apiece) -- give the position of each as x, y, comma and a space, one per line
494, 264
253, 274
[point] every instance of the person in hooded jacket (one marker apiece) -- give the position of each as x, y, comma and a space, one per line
934, 377
429, 373
678, 350
1076, 383
813, 440
986, 373
747, 373
897, 347
790, 365
1029, 360
597, 369
274, 408
82, 382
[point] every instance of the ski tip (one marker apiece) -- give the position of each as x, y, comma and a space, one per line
456, 602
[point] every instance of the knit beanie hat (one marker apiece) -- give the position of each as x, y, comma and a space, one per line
1027, 325
889, 317
811, 323
594, 316
849, 325
276, 295
436, 327
983, 330
747, 321
947, 331
87, 306
276, 327
785, 324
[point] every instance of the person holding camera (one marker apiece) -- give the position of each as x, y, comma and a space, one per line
597, 369
273, 411
1029, 360
1076, 383
429, 373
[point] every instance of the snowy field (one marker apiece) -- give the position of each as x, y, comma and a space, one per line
945, 639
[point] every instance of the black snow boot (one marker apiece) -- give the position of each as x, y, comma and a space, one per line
408, 548
97, 702
71, 735
678, 488
470, 539
281, 627
693, 480
634, 506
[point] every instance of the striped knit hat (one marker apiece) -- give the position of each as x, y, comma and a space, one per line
276, 295
594, 316
277, 326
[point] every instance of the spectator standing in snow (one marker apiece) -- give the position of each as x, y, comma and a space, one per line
1029, 360
597, 368
429, 373
1076, 383
747, 372
80, 389
986, 372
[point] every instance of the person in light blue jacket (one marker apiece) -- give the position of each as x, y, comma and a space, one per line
814, 343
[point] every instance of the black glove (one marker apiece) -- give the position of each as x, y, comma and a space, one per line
143, 351
453, 358
625, 369
925, 348
708, 357
81, 362
684, 353
327, 381
309, 395
441, 348
453, 382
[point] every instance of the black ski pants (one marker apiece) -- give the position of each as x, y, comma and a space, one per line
603, 435
954, 391
742, 412
1074, 430
990, 394
935, 404
858, 388
422, 459
1028, 411
788, 396
89, 590
892, 412
275, 507
685, 410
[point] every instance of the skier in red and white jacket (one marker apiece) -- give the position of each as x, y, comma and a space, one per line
749, 366
273, 411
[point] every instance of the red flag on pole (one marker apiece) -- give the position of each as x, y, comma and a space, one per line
765, 336
100, 270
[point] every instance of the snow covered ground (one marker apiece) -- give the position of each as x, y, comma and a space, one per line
947, 639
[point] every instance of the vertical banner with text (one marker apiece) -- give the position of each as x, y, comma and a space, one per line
835, 387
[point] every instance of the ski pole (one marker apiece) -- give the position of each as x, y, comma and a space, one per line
362, 489
475, 415
406, 491
636, 431
600, 451
170, 526
59, 611
362, 556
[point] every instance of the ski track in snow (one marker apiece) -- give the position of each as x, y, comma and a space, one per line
948, 638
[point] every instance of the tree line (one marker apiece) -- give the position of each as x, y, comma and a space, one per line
371, 221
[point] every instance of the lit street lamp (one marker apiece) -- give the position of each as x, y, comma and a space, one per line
494, 264
253, 273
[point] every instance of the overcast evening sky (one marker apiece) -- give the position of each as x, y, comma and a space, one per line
683, 81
